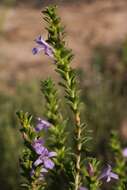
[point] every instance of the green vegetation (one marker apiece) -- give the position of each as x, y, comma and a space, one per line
105, 94
8, 2
10, 141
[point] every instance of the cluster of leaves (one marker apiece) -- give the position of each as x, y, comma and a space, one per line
58, 135
63, 57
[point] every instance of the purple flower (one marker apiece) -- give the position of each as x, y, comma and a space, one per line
108, 174
32, 172
42, 124
83, 188
44, 159
37, 146
90, 169
42, 172
124, 152
43, 46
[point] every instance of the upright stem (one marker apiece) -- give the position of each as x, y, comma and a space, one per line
63, 57
78, 151
33, 187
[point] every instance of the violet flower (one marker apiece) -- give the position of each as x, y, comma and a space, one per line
32, 172
43, 46
108, 174
42, 172
83, 188
124, 152
45, 159
44, 155
37, 146
90, 170
42, 124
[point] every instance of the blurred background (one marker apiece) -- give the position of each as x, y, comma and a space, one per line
97, 33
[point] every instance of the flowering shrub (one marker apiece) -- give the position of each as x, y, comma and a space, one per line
47, 160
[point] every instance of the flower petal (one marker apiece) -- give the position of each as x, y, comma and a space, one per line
43, 45
42, 124
38, 162
38, 146
52, 154
43, 170
83, 188
49, 164
36, 50
108, 174
124, 152
108, 179
48, 51
32, 172
40, 40
114, 176
44, 153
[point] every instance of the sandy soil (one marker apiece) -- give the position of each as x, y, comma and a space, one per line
87, 24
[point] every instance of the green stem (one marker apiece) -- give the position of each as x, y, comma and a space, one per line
63, 57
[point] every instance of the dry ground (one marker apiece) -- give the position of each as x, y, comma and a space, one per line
87, 24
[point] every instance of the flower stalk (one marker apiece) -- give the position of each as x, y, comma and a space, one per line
78, 153
63, 57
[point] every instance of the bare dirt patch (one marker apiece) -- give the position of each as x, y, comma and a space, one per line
87, 24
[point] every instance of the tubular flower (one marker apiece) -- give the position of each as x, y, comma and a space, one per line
45, 159
83, 188
90, 169
42, 46
37, 146
108, 174
41, 124
41, 175
124, 152
44, 155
